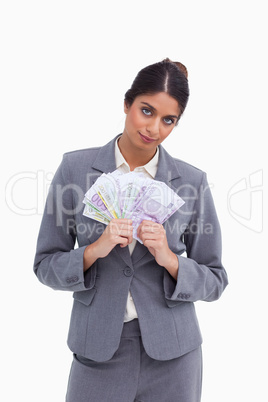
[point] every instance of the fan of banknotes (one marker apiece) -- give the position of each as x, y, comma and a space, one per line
132, 196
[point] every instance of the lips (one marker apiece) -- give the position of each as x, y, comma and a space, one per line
146, 139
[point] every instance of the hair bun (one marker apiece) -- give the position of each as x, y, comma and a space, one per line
180, 66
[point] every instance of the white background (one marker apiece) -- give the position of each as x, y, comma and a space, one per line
65, 67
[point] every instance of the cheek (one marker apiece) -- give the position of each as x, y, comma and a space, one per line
135, 118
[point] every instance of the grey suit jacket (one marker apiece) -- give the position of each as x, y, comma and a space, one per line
165, 307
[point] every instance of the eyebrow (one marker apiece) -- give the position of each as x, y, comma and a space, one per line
153, 108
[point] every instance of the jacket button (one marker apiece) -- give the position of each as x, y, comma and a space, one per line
128, 271
72, 279
183, 296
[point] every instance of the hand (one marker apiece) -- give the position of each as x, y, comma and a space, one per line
119, 231
153, 236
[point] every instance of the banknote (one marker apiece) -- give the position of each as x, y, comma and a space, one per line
130, 195
91, 212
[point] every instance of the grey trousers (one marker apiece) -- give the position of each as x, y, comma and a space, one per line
132, 376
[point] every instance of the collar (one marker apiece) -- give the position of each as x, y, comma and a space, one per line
150, 167
104, 162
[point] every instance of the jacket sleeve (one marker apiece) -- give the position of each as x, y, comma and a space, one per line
201, 274
58, 264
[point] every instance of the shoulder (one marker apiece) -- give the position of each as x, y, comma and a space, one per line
178, 165
81, 154
80, 160
190, 174
76, 164
186, 172
88, 156
186, 168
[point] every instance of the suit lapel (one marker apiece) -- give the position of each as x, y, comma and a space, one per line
105, 159
167, 169
139, 252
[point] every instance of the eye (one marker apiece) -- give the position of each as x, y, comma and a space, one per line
146, 111
169, 120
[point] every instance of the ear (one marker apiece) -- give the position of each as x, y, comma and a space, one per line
126, 108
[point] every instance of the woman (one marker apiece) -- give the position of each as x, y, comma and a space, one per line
133, 332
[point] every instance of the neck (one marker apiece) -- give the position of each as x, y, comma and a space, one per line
134, 157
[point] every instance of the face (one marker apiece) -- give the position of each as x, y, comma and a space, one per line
150, 119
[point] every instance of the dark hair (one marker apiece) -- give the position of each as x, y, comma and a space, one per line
164, 76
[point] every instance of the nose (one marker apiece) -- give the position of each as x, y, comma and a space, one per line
153, 126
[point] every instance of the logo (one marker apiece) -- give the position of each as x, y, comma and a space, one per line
245, 201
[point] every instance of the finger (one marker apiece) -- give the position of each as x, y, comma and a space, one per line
150, 228
150, 243
151, 236
146, 221
123, 235
129, 238
157, 243
121, 221
123, 242
125, 231
150, 223
122, 228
